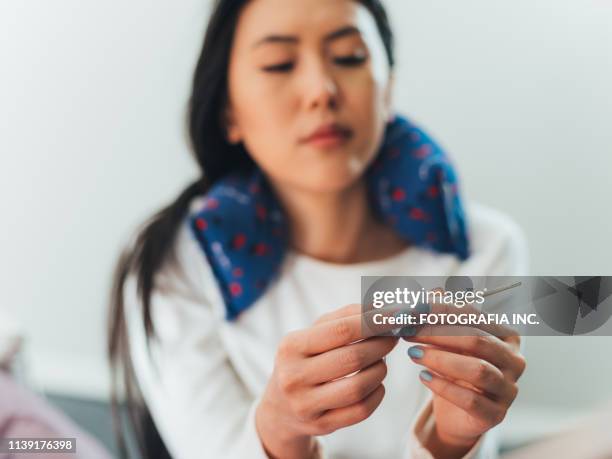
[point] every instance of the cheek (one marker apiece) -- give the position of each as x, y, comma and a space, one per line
268, 145
259, 111
365, 101
264, 117
365, 97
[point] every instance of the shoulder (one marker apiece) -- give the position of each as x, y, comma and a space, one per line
498, 244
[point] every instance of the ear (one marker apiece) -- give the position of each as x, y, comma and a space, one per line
388, 98
232, 130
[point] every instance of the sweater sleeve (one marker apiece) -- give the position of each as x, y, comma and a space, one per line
199, 404
500, 246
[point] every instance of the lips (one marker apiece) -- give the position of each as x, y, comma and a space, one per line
329, 134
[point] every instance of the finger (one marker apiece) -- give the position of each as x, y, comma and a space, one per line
478, 372
344, 311
501, 331
476, 343
342, 331
345, 360
337, 418
486, 411
349, 390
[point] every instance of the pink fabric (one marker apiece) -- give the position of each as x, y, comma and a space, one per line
26, 415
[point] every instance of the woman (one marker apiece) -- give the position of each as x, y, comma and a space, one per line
294, 99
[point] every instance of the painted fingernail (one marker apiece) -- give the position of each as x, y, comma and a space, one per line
422, 308
415, 352
426, 375
399, 314
408, 331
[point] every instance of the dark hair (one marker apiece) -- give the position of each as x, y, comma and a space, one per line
216, 157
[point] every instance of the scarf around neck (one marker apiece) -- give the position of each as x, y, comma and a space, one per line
412, 187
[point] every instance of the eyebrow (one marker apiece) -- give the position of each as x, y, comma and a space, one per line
342, 32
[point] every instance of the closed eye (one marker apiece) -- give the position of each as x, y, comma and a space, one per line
346, 61
350, 61
279, 68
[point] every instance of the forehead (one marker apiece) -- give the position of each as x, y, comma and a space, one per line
304, 19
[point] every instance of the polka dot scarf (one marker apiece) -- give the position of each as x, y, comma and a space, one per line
412, 187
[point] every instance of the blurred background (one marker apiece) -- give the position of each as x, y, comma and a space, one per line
92, 142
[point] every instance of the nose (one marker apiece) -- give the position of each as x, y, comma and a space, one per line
321, 88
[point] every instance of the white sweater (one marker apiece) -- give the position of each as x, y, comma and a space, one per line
204, 375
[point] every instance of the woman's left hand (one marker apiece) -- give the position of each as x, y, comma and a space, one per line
473, 379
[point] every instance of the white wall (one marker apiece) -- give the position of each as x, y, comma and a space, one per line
92, 142
92, 102
520, 93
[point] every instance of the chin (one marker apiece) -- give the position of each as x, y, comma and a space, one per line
332, 181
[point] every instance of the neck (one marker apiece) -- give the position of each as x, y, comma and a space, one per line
337, 226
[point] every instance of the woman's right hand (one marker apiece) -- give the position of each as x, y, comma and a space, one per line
307, 393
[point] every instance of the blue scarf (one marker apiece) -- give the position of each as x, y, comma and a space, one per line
412, 187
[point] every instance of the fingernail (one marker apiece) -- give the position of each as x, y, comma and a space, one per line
422, 308
426, 375
399, 314
408, 331
415, 352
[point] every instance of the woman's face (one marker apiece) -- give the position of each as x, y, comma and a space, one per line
305, 66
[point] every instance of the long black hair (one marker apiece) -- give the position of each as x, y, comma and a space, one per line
216, 157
